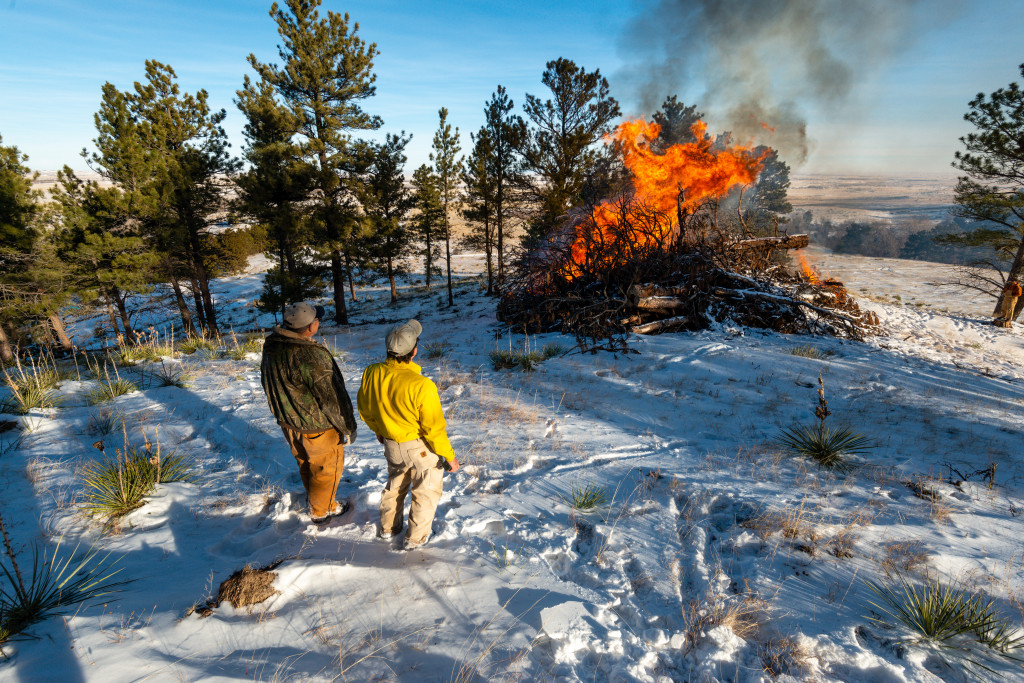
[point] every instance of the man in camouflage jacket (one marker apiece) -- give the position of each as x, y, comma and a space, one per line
307, 395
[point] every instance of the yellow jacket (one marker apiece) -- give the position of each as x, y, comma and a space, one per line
399, 403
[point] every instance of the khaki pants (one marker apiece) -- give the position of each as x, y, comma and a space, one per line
321, 459
411, 465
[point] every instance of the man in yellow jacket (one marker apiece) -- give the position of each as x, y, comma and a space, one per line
403, 409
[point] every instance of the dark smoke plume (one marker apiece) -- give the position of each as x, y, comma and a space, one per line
767, 61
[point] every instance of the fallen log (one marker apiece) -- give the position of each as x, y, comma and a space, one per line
784, 242
661, 325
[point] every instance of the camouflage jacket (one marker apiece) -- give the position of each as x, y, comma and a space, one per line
304, 386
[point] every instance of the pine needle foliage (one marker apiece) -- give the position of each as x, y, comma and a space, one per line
947, 616
828, 446
56, 583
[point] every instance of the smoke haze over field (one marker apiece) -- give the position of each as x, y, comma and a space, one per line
768, 61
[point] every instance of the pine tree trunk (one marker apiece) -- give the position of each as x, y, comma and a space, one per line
1015, 271
200, 313
110, 314
61, 332
340, 311
129, 333
6, 352
211, 314
500, 220
351, 277
391, 279
430, 263
448, 258
488, 249
186, 316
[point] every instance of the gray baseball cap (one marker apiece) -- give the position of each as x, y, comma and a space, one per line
402, 339
301, 314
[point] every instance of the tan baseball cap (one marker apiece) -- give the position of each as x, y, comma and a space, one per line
402, 339
301, 314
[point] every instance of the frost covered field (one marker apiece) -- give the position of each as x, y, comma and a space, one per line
713, 557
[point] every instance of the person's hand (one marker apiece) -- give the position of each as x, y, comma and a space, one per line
380, 439
454, 464
350, 438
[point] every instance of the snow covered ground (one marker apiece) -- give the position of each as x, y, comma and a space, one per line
714, 557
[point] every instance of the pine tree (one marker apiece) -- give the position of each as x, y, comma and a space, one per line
386, 204
447, 169
992, 191
480, 203
326, 71
559, 150
507, 134
428, 221
273, 191
167, 153
18, 236
676, 122
104, 257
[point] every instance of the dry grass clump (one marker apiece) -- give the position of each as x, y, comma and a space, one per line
745, 614
904, 557
808, 351
782, 655
175, 375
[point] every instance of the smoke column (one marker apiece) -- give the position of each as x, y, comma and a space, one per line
767, 61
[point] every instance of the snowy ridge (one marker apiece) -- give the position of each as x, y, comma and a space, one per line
715, 557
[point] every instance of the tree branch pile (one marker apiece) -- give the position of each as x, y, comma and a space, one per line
649, 276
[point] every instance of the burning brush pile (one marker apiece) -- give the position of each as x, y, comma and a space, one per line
659, 258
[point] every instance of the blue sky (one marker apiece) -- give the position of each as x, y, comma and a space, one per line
904, 114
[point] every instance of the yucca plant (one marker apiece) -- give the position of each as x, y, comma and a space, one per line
948, 617
552, 350
109, 389
33, 389
504, 360
437, 349
105, 422
174, 376
827, 446
586, 497
193, 344
55, 585
30, 397
116, 485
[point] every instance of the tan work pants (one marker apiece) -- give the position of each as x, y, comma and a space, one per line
321, 459
411, 465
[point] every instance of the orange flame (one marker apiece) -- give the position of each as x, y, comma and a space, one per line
770, 129
807, 270
684, 176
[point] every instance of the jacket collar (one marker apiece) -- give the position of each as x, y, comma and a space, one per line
292, 336
395, 365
